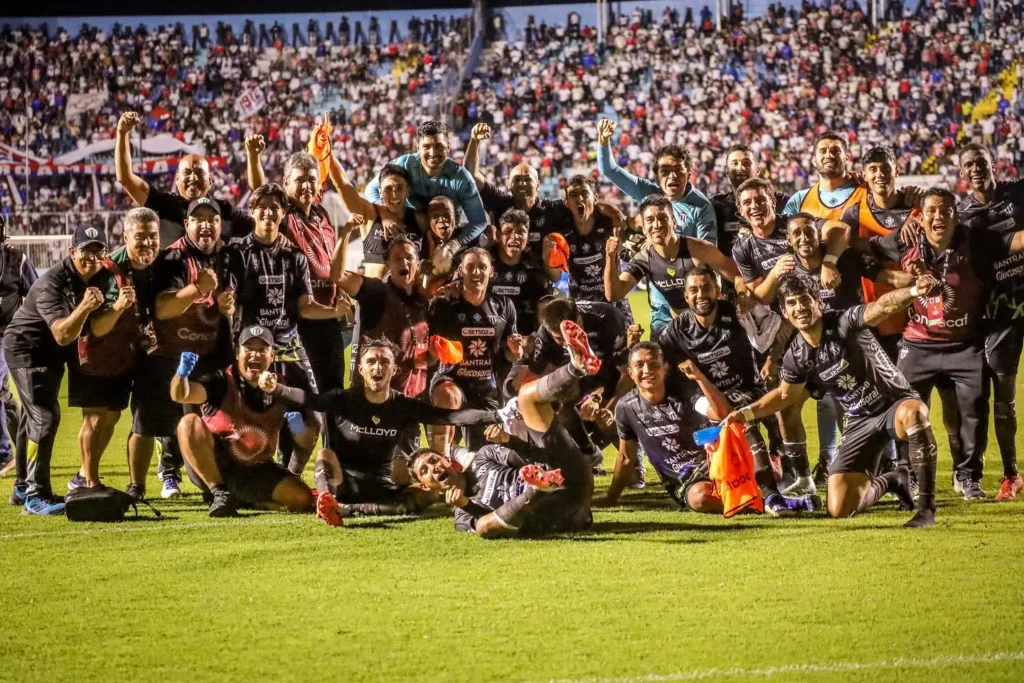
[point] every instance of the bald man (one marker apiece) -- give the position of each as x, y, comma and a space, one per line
191, 182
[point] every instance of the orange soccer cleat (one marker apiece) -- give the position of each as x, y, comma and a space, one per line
327, 509
1009, 487
541, 479
578, 345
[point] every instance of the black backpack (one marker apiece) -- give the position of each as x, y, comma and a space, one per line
100, 504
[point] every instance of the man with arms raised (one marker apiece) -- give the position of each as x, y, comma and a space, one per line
837, 353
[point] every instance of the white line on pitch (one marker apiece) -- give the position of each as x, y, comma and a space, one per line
833, 667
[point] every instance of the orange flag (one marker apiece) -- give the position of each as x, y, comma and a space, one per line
447, 352
559, 256
320, 147
732, 470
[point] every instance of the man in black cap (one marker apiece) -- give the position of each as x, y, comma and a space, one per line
230, 445
51, 318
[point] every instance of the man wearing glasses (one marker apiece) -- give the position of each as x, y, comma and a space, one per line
36, 347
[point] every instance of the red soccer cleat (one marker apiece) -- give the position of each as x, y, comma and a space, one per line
578, 346
1009, 487
541, 479
327, 509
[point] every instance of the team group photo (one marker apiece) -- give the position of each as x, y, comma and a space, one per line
643, 341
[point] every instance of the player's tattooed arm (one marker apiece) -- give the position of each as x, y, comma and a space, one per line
898, 300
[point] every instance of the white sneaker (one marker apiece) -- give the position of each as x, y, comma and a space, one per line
171, 489
801, 486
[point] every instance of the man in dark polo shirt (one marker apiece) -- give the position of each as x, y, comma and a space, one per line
51, 318
191, 181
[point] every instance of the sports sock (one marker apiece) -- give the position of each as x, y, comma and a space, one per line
322, 478
887, 483
796, 454
923, 457
560, 386
762, 462
511, 514
377, 509
1005, 421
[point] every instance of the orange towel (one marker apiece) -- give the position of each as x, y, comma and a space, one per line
559, 256
447, 352
732, 470
320, 147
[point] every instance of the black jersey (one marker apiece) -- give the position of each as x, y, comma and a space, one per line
586, 259
483, 331
851, 266
722, 351
1004, 214
271, 281
492, 479
849, 364
523, 284
669, 276
546, 215
756, 256
376, 243
665, 430
727, 216
605, 326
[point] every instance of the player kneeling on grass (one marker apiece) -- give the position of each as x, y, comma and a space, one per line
495, 494
836, 353
230, 447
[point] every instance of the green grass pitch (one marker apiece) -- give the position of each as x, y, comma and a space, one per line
649, 594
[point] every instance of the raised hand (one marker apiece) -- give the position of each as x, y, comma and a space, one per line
206, 281
92, 299
127, 122
605, 131
267, 381
125, 299
481, 131
254, 145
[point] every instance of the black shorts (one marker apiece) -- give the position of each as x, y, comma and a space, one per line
679, 489
1003, 347
567, 509
476, 394
360, 487
865, 440
153, 412
249, 485
294, 370
88, 391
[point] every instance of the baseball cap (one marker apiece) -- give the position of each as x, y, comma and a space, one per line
201, 202
86, 235
255, 332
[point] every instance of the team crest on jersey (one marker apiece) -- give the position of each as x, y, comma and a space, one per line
462, 317
477, 318
586, 248
508, 275
890, 221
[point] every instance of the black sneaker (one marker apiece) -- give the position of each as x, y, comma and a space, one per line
820, 476
136, 491
222, 505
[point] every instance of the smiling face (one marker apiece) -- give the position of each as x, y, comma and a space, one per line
377, 367
441, 215
434, 472
802, 236
938, 216
301, 186
673, 174
268, 213
659, 224
702, 293
881, 177
433, 150
647, 370
580, 200
394, 191
802, 310
193, 177
513, 238
740, 166
203, 228
476, 271
757, 207
523, 182
88, 260
143, 242
830, 158
254, 356
976, 169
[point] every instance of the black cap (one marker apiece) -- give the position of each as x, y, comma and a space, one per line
203, 201
256, 332
86, 235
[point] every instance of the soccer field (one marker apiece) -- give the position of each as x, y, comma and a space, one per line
650, 593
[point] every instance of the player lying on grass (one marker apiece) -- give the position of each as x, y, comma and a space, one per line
661, 414
837, 353
373, 420
495, 493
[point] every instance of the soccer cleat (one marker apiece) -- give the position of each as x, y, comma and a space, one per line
171, 488
798, 486
541, 479
44, 506
327, 509
924, 517
578, 346
222, 504
776, 506
972, 490
18, 494
136, 491
820, 476
77, 482
904, 489
1009, 487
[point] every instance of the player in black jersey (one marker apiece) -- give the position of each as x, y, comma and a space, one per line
518, 274
740, 166
372, 420
836, 352
666, 259
485, 325
384, 221
999, 207
494, 495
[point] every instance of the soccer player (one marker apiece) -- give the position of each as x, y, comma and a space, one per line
192, 181
230, 445
116, 336
694, 214
836, 188
432, 173
517, 274
372, 419
943, 340
740, 166
495, 495
485, 325
52, 317
999, 207
836, 352
666, 259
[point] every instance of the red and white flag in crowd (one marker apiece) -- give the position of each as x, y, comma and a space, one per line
250, 101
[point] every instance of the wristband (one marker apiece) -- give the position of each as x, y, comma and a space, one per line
915, 292
830, 259
748, 413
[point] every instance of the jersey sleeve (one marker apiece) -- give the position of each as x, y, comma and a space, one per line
673, 343
472, 206
639, 266
887, 247
51, 303
302, 277
792, 371
741, 255
636, 188
793, 205
622, 423
851, 216
171, 275
852, 320
215, 384
706, 224
164, 204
